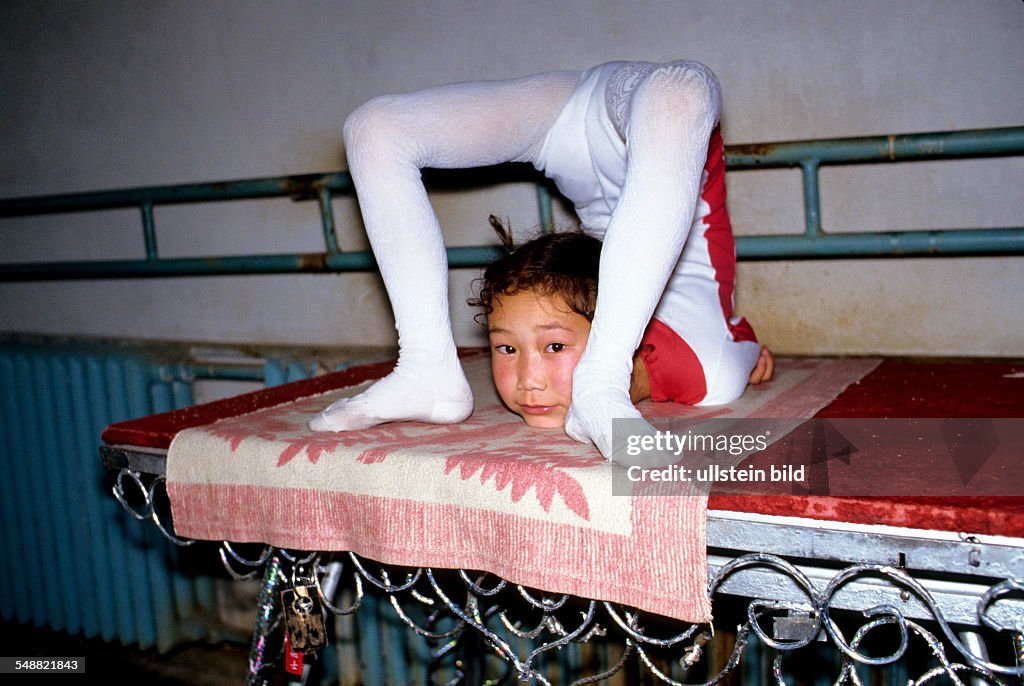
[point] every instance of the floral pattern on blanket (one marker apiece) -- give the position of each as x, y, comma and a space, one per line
492, 445
544, 470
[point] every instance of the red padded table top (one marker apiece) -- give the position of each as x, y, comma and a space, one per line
896, 388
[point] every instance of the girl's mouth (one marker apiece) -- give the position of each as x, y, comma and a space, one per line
536, 409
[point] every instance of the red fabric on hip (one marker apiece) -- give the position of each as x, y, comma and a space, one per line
675, 373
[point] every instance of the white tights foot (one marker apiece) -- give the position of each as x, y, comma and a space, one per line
403, 395
591, 420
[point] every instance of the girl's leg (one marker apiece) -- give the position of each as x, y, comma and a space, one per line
388, 141
672, 114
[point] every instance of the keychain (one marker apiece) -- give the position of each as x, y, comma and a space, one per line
304, 617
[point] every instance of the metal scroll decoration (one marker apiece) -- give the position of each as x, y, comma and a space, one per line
525, 630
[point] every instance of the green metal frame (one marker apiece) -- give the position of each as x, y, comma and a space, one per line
808, 155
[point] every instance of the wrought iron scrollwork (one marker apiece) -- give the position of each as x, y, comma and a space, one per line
148, 493
523, 626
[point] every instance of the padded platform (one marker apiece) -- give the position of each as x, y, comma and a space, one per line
896, 388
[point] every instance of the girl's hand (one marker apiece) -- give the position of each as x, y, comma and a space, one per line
764, 368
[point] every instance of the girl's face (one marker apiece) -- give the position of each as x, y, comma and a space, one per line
536, 341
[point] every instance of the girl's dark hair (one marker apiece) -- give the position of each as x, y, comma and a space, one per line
563, 264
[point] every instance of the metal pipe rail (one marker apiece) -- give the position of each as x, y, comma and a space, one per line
808, 155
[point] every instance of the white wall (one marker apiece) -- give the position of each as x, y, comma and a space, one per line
111, 94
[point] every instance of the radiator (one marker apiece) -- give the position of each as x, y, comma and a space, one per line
73, 560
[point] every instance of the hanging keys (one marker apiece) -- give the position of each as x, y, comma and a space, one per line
304, 617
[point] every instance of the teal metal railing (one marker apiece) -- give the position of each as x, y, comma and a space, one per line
808, 155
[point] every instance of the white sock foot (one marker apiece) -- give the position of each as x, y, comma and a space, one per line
400, 396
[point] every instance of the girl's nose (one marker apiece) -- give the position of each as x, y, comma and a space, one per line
531, 375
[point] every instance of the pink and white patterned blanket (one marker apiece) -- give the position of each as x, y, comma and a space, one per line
489, 494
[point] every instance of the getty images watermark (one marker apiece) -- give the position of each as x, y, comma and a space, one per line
699, 447
837, 457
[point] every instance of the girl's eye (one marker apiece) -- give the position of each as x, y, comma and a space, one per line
505, 349
555, 347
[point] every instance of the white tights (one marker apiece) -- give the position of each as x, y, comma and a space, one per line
670, 115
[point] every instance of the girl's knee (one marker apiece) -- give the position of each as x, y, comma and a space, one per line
688, 84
